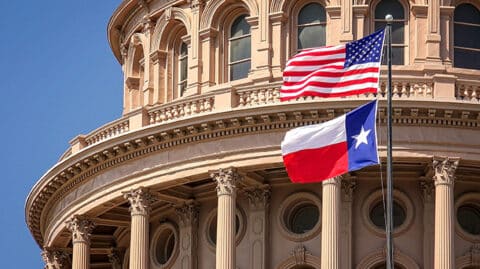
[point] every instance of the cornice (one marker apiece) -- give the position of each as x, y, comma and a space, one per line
75, 169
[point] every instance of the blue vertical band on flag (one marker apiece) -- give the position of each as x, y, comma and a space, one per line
361, 136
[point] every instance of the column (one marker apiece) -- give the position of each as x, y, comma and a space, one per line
140, 200
433, 36
259, 198
226, 180
188, 216
330, 223
348, 187
347, 23
443, 177
55, 258
428, 195
114, 258
81, 229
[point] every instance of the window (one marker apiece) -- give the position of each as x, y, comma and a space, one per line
396, 9
182, 68
240, 48
466, 30
377, 215
163, 246
311, 27
303, 218
468, 216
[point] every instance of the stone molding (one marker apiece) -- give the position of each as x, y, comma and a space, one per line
470, 259
444, 170
258, 197
378, 257
300, 256
63, 180
226, 179
140, 201
81, 228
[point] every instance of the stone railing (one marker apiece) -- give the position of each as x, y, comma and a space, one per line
409, 88
259, 96
181, 108
108, 131
467, 90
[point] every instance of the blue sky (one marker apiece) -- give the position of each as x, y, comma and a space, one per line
58, 79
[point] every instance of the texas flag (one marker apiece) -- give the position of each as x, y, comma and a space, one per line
321, 151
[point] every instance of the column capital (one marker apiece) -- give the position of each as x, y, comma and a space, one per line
187, 214
140, 201
226, 180
334, 180
348, 186
258, 197
55, 258
428, 191
81, 228
444, 170
114, 258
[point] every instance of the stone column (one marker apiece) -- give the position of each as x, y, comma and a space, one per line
226, 180
55, 258
444, 169
330, 223
140, 200
114, 258
428, 194
81, 229
188, 216
346, 224
259, 198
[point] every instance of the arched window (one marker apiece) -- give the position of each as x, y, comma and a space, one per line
466, 31
311, 27
182, 68
395, 8
240, 48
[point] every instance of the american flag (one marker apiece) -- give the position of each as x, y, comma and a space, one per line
334, 71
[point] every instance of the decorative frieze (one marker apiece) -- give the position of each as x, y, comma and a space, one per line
226, 180
81, 228
140, 200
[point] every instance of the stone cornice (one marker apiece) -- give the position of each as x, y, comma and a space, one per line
74, 170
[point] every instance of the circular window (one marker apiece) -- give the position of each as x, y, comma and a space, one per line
377, 215
211, 228
373, 213
164, 246
299, 216
467, 208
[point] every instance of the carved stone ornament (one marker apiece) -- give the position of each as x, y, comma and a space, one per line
188, 214
444, 170
334, 180
258, 198
348, 187
81, 228
428, 190
196, 4
226, 180
55, 258
140, 201
475, 252
299, 253
114, 258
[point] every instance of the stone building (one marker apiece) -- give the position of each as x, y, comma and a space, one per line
191, 175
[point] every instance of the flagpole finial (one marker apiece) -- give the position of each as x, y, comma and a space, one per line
389, 18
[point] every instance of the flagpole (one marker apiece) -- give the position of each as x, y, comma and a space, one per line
389, 221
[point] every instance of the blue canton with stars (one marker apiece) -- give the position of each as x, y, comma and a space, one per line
365, 50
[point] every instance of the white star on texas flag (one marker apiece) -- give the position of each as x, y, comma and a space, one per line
361, 138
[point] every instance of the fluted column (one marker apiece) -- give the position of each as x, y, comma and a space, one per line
226, 180
81, 229
188, 216
140, 200
55, 258
330, 223
259, 201
348, 187
444, 169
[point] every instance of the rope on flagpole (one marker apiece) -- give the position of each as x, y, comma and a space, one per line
389, 226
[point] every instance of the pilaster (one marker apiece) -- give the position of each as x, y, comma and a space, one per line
188, 216
140, 205
114, 257
277, 21
81, 228
443, 178
330, 223
427, 189
207, 40
259, 202
148, 29
347, 187
226, 180
433, 36
194, 54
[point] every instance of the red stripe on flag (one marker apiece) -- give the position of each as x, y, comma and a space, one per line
314, 165
321, 73
333, 84
336, 94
